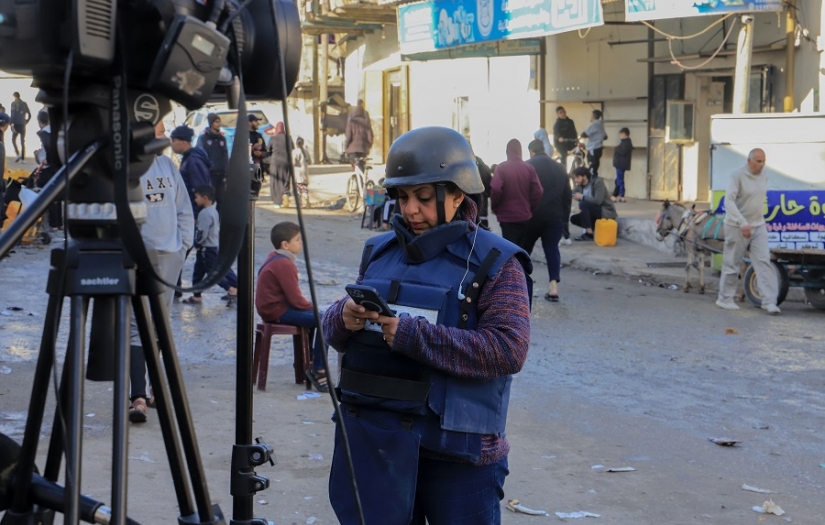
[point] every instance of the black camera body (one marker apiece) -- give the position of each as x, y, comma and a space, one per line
37, 36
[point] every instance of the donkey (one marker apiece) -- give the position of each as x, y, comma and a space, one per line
702, 232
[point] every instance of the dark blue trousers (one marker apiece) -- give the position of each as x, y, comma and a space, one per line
306, 319
205, 261
550, 234
449, 493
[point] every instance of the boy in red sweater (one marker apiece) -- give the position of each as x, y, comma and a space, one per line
278, 297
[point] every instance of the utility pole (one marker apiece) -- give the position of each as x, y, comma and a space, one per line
316, 110
741, 79
790, 48
323, 96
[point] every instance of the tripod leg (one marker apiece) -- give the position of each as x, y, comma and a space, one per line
167, 423
40, 390
74, 408
55, 453
160, 316
120, 435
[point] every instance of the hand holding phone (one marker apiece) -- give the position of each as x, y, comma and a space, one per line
369, 298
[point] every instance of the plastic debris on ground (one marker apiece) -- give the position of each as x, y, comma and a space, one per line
577, 514
311, 520
514, 505
757, 489
621, 469
5, 370
724, 441
308, 395
731, 331
769, 507
316, 457
5, 312
596, 467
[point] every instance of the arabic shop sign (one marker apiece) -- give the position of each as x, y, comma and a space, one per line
636, 10
441, 24
795, 219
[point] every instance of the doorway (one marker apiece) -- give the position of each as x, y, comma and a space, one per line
396, 105
664, 158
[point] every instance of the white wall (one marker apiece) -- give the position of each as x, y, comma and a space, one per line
502, 105
583, 74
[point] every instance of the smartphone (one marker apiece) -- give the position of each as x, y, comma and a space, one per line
369, 298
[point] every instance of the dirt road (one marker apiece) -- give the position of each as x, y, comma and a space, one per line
619, 375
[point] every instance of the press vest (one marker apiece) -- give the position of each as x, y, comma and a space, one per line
420, 276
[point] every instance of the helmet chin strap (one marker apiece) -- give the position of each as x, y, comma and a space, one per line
440, 198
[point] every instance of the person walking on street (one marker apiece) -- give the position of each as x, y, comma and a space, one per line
564, 134
595, 136
194, 163
745, 230
594, 202
621, 161
424, 394
515, 193
207, 236
256, 140
358, 133
20, 117
214, 144
280, 148
169, 229
551, 215
5, 122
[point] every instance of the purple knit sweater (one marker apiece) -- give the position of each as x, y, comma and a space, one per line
496, 347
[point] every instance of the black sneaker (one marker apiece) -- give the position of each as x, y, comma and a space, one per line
584, 237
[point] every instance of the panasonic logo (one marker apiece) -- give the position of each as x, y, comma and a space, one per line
99, 281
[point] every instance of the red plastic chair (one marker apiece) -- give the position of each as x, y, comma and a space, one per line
263, 340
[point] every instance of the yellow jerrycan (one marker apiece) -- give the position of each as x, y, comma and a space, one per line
606, 232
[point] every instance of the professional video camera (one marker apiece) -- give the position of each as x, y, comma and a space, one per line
107, 71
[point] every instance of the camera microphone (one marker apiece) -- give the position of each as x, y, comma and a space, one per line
44, 492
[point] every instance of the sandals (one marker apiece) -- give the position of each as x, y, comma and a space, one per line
138, 411
318, 380
192, 300
553, 298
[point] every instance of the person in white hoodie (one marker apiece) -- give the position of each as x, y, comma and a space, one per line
745, 230
167, 203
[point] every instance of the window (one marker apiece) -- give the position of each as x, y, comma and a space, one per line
679, 122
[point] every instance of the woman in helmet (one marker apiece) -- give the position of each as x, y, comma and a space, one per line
424, 393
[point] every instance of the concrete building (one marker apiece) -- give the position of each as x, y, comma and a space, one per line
662, 79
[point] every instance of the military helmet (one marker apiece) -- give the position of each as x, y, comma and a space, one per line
432, 154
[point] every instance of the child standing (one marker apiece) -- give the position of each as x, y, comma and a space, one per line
206, 243
300, 161
278, 297
621, 161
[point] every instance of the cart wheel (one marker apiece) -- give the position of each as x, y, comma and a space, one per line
45, 238
816, 296
752, 290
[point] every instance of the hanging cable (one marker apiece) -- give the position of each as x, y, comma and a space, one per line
582, 36
706, 62
688, 37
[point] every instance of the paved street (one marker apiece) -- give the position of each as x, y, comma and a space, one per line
620, 374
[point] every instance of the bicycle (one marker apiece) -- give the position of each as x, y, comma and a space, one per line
357, 184
579, 157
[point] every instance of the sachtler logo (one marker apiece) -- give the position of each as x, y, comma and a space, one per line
99, 281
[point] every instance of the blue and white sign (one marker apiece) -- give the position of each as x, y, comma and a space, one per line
795, 219
636, 10
441, 24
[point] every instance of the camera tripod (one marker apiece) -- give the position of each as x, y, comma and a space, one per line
100, 271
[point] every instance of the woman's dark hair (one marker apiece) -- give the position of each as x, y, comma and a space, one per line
625, 131
283, 231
